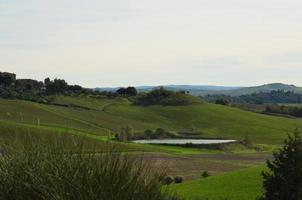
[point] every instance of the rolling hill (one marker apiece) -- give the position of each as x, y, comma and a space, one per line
262, 88
105, 116
232, 91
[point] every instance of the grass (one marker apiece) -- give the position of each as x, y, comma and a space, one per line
240, 185
11, 130
209, 119
43, 168
87, 102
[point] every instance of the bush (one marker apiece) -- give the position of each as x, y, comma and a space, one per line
224, 102
48, 171
284, 180
178, 179
168, 180
148, 133
205, 174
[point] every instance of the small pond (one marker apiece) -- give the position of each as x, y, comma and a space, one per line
183, 141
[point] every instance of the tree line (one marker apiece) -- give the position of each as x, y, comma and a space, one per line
275, 96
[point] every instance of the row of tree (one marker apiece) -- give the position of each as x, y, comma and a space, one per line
162, 96
285, 110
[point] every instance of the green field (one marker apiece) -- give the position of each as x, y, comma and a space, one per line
110, 115
240, 185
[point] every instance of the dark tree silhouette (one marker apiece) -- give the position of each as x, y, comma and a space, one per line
284, 180
131, 91
122, 91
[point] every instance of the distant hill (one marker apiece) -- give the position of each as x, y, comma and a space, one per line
208, 89
193, 89
262, 88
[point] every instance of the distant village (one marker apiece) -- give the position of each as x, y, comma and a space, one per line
34, 90
10, 80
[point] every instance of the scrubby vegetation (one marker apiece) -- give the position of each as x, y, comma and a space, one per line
179, 179
224, 102
47, 170
205, 174
165, 97
284, 110
168, 180
284, 178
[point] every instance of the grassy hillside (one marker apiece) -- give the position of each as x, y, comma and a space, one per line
109, 116
240, 185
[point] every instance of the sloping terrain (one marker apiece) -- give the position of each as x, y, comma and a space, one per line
105, 117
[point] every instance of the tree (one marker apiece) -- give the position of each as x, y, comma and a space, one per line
122, 91
56, 86
224, 102
205, 174
7, 79
284, 180
47, 81
148, 133
131, 91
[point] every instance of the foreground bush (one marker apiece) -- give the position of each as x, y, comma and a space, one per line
48, 171
284, 180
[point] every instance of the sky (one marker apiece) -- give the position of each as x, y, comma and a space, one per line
98, 43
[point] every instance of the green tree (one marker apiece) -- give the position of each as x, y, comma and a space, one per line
131, 91
47, 81
122, 91
224, 102
284, 179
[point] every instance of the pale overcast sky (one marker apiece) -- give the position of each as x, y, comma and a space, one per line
153, 42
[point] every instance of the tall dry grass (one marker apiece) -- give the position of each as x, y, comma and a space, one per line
35, 168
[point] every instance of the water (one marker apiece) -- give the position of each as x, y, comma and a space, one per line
183, 141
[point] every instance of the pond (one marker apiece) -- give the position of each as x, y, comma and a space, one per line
184, 141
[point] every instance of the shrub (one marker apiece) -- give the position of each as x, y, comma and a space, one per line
178, 179
224, 102
168, 180
48, 171
284, 180
205, 174
148, 133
